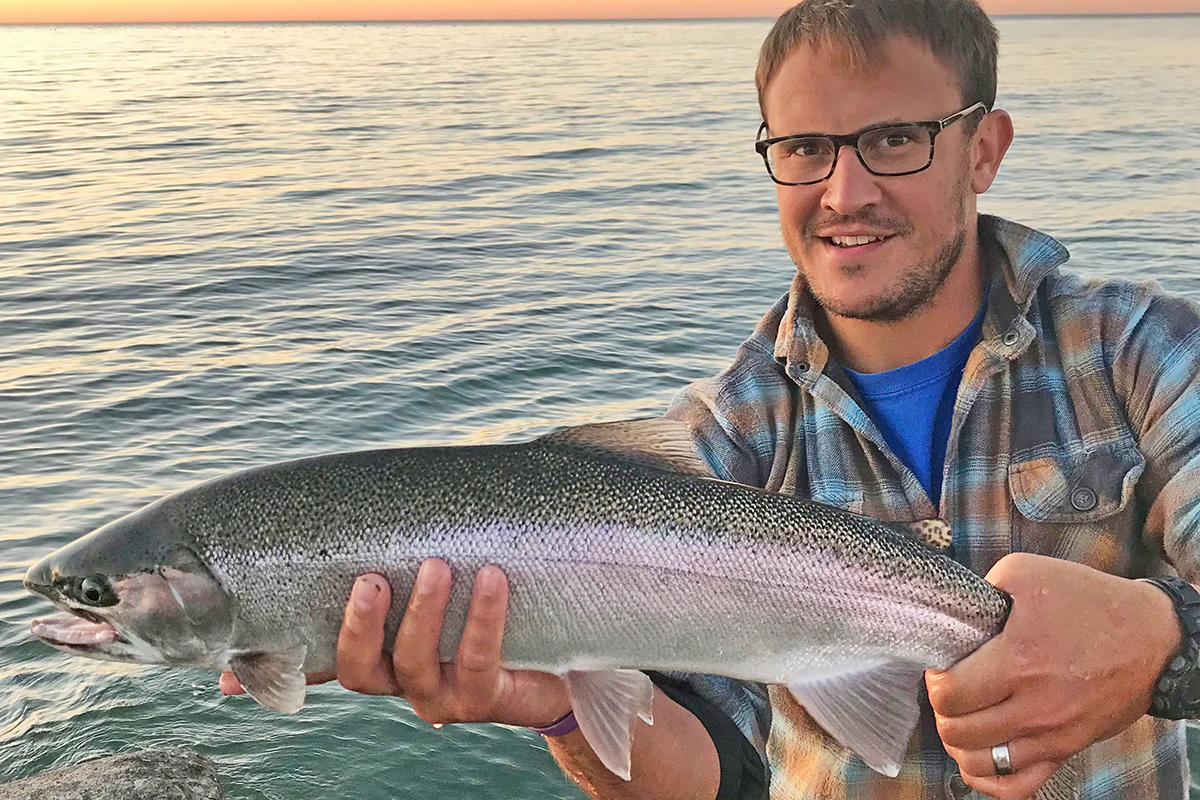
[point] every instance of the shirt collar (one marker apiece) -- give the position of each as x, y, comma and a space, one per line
1022, 259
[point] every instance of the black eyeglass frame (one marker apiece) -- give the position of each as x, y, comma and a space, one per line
851, 140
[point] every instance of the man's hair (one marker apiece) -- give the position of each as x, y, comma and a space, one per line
957, 32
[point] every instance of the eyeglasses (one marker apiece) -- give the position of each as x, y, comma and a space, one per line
893, 149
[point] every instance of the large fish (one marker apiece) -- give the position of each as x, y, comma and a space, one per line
618, 555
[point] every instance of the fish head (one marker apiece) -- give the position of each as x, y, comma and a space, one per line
134, 591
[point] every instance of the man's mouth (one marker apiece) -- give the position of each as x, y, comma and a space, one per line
854, 241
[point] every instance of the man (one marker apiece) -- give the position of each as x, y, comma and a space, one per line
927, 362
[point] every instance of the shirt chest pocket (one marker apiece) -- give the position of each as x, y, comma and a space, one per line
1079, 506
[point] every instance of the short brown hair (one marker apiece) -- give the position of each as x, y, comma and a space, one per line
958, 32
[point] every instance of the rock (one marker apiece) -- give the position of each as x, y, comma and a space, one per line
160, 774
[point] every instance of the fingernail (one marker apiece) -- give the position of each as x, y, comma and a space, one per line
364, 593
488, 581
425, 576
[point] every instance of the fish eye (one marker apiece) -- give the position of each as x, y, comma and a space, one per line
95, 591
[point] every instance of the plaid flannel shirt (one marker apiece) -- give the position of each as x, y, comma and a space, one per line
1076, 434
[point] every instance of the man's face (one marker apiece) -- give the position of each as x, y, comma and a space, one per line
921, 218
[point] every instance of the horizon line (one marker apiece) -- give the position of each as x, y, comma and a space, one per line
485, 20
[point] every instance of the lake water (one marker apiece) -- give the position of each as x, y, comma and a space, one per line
226, 245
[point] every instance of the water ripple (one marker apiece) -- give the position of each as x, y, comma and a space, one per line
228, 245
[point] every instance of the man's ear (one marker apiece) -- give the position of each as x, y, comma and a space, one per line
991, 141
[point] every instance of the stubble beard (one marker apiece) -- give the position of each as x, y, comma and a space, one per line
919, 283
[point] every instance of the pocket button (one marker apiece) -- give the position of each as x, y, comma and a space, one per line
1083, 499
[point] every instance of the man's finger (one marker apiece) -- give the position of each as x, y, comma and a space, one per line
982, 729
1021, 784
979, 761
1023, 751
415, 656
977, 682
362, 666
478, 659
229, 684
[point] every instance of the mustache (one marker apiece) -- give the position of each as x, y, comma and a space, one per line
897, 226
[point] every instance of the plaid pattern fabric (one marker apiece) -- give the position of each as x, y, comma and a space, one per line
1076, 434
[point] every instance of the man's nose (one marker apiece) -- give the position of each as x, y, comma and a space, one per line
851, 187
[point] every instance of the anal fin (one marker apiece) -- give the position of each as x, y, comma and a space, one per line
273, 679
607, 704
872, 711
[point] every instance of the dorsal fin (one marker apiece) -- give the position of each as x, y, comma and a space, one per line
653, 442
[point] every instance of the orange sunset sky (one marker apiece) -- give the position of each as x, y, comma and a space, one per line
57, 11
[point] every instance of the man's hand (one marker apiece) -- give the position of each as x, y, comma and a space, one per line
472, 688
1076, 663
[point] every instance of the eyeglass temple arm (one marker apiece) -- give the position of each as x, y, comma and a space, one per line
966, 112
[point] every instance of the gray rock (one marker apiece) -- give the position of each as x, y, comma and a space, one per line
160, 774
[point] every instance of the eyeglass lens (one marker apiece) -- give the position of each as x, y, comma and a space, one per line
886, 151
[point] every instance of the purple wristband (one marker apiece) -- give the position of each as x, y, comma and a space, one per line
561, 728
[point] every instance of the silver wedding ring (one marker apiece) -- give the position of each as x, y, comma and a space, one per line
1001, 759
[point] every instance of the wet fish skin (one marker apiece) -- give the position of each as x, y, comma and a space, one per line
613, 566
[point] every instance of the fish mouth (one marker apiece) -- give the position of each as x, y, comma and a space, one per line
78, 630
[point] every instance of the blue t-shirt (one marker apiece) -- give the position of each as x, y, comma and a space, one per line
912, 406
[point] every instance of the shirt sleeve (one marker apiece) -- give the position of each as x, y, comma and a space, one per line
743, 419
1157, 370
716, 438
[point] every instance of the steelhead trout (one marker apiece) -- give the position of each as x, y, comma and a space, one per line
620, 556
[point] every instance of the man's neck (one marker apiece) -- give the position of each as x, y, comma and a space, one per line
869, 346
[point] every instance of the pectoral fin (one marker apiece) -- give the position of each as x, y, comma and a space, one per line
873, 710
607, 704
273, 679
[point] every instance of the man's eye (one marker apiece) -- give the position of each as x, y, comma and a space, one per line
893, 139
804, 149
